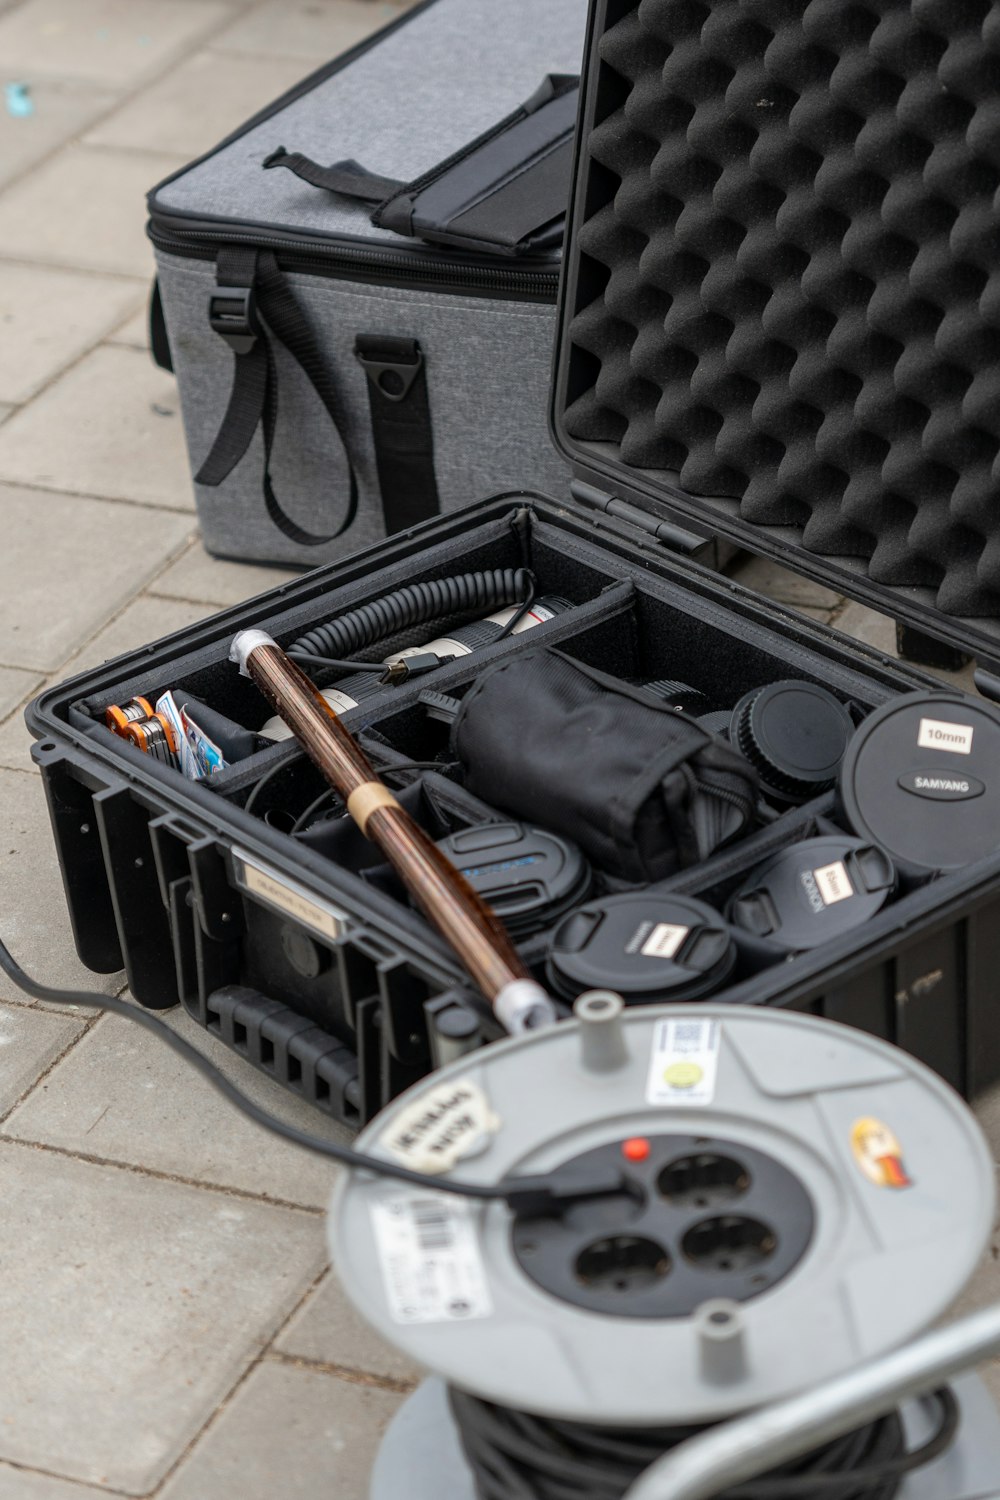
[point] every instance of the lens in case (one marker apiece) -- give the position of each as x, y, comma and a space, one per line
645, 945
922, 779
529, 876
814, 891
794, 734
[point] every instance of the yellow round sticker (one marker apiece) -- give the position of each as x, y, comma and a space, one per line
683, 1075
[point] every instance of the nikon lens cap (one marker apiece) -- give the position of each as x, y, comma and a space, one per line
814, 891
794, 734
645, 946
922, 779
529, 876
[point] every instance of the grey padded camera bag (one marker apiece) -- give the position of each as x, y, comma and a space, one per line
342, 379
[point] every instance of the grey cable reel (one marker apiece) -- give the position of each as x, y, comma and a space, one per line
800, 1198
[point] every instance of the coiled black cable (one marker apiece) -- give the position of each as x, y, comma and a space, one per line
515, 1456
415, 604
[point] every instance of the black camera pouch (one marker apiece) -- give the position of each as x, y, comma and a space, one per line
642, 789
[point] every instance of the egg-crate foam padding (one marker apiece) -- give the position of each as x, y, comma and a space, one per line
788, 290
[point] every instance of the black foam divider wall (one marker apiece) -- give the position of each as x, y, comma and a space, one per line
788, 288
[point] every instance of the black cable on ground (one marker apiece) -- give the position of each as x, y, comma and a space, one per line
515, 1456
93, 1000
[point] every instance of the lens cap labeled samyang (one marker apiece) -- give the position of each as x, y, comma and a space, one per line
529, 876
814, 891
922, 779
645, 946
795, 734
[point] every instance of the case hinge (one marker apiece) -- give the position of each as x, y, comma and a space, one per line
676, 538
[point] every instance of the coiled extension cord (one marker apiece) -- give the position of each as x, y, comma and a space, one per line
515, 1456
415, 604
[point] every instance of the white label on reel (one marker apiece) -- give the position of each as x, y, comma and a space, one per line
937, 734
833, 883
428, 1252
684, 1063
664, 940
440, 1127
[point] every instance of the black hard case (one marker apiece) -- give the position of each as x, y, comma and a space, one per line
322, 975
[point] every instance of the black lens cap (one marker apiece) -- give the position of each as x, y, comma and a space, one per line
795, 734
682, 697
717, 722
813, 891
922, 779
529, 876
645, 945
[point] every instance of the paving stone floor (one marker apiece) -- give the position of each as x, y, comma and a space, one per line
168, 1323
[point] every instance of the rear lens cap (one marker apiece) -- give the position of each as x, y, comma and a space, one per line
795, 734
529, 876
922, 779
813, 891
644, 945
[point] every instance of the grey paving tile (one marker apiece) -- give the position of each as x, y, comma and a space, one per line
130, 1305
116, 42
100, 193
327, 1329
315, 30
329, 1432
779, 583
123, 1097
48, 318
5, 412
15, 685
196, 575
25, 1484
15, 744
35, 923
144, 620
110, 426
134, 333
987, 1112
823, 615
66, 566
878, 630
60, 109
984, 1289
30, 1040
198, 103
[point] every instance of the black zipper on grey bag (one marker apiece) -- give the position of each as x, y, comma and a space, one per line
355, 263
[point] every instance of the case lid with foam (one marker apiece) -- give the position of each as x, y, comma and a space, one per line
781, 305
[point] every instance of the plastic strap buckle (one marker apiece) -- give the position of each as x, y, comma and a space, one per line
232, 313
392, 378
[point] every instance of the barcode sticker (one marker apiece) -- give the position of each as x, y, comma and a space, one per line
684, 1063
428, 1250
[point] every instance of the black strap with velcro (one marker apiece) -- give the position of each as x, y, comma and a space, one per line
401, 427
504, 193
252, 302
348, 178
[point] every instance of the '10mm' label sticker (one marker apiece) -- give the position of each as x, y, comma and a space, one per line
684, 1063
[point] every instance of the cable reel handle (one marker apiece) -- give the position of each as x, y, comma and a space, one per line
744, 1449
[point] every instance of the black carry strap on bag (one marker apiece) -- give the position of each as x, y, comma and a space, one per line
249, 287
504, 194
251, 299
